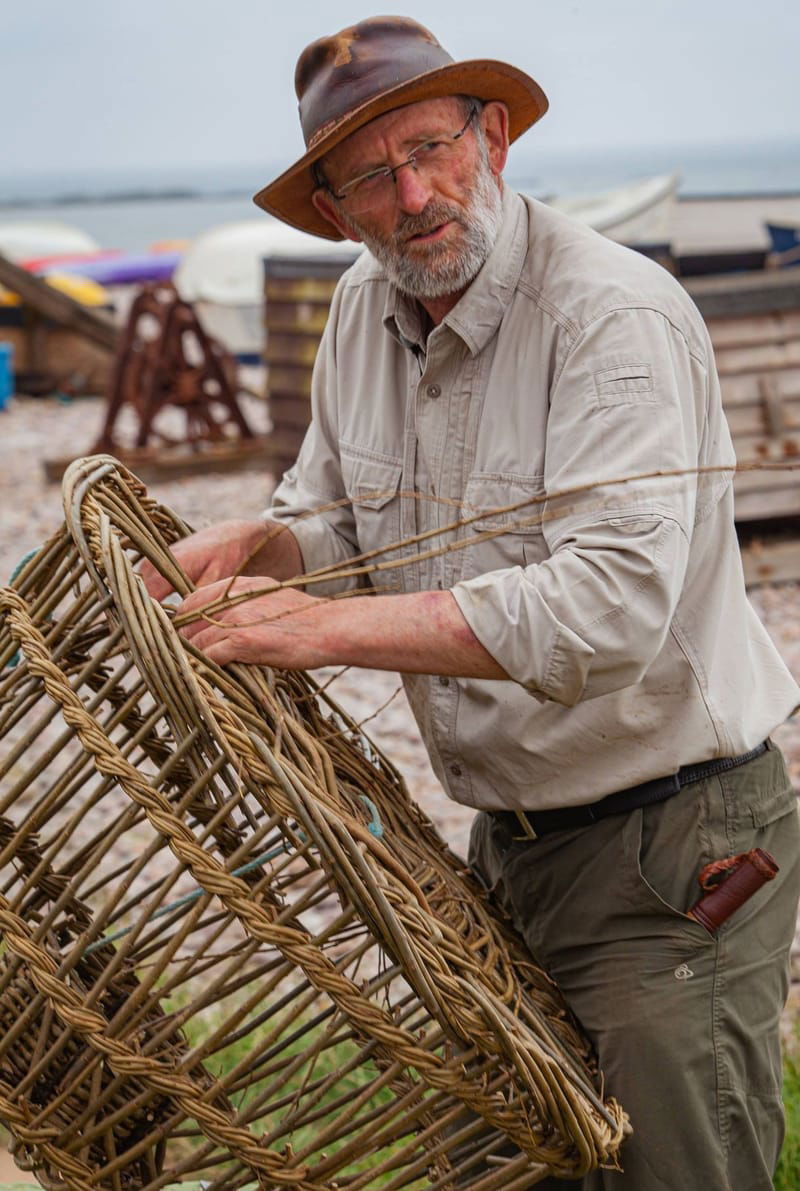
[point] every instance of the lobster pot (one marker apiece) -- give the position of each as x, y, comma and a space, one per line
232, 949
298, 292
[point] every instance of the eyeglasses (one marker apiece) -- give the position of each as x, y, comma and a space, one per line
376, 187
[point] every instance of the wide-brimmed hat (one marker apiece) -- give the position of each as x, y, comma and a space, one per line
380, 64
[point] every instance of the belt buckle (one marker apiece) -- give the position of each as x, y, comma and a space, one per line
525, 823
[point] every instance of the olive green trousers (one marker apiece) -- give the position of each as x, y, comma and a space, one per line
685, 1024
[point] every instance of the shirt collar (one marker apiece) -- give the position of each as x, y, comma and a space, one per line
478, 313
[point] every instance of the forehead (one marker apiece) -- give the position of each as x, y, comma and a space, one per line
411, 123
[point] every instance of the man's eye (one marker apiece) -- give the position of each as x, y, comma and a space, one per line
374, 176
427, 148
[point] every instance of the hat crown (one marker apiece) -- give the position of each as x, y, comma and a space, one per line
336, 75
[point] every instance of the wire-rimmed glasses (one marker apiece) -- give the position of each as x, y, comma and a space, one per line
377, 186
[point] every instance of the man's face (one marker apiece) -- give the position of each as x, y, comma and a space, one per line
432, 229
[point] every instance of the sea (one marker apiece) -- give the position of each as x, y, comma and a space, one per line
131, 210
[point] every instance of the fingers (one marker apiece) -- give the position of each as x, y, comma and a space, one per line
223, 643
157, 586
209, 639
213, 597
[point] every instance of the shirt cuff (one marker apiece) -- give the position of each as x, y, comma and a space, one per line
515, 625
320, 546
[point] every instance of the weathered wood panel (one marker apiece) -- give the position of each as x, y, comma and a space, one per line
755, 330
754, 324
297, 294
771, 562
55, 357
154, 466
767, 357
729, 295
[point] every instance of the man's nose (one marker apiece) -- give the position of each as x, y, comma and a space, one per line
413, 189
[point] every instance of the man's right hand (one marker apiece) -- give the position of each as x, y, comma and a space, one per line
230, 548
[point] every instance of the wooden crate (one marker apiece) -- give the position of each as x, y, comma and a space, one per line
298, 292
48, 357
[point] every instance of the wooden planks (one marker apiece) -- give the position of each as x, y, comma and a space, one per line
298, 294
771, 562
58, 307
754, 324
155, 465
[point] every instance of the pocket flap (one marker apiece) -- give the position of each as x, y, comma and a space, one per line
512, 503
370, 482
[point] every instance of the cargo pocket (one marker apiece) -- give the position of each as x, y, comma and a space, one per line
372, 485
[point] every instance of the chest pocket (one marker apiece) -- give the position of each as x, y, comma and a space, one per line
372, 484
508, 510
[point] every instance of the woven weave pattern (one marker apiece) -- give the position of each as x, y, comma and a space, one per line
233, 949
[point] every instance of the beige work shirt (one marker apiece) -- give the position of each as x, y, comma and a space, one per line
618, 609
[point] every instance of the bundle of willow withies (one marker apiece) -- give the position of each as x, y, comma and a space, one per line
232, 946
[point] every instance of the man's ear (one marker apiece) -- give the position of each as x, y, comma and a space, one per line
328, 211
494, 121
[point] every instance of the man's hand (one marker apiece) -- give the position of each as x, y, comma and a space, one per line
274, 627
230, 548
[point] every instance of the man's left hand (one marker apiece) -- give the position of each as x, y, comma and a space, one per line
278, 627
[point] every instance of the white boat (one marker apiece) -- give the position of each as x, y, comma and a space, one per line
225, 263
639, 213
222, 273
28, 239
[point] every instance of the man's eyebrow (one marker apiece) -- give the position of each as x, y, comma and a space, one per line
422, 137
408, 142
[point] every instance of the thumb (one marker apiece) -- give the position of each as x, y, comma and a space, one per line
157, 586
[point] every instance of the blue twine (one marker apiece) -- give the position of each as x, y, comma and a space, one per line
186, 900
375, 826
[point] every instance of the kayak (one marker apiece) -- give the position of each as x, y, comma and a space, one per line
82, 289
33, 238
61, 260
127, 268
225, 264
634, 214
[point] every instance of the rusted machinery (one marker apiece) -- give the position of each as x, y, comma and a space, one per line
166, 366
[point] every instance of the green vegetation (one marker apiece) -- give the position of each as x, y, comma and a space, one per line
787, 1176
314, 1068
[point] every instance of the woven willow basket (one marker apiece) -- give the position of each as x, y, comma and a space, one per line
233, 949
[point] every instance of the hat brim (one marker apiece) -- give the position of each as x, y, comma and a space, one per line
289, 196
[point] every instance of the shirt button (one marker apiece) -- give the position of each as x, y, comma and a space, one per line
455, 770
434, 391
444, 680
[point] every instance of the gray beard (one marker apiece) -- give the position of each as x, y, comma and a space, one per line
445, 270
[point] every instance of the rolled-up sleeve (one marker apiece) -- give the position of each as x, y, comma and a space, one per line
621, 480
311, 500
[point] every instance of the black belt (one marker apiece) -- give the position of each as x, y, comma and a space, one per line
536, 823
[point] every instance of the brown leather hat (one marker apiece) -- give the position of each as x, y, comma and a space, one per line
380, 64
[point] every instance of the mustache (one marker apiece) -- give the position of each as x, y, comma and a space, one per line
415, 225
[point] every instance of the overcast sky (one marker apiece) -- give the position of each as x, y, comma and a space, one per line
167, 84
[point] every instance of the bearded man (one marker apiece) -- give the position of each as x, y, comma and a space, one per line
581, 659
